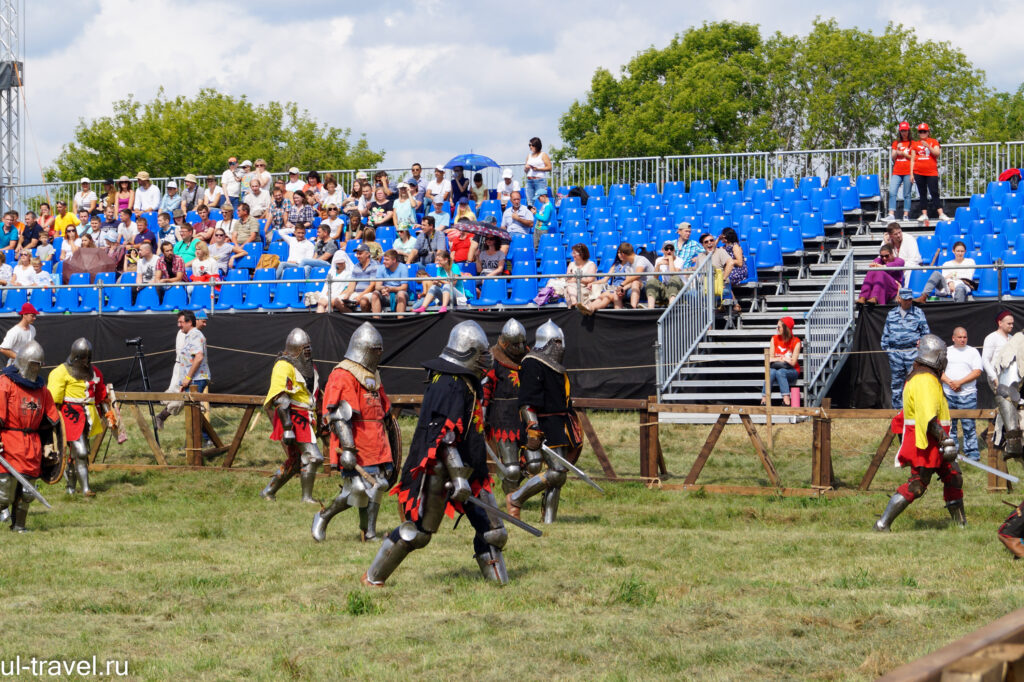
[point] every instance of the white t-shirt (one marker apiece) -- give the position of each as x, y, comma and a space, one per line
440, 189
994, 343
297, 251
17, 338
126, 233
959, 363
294, 186
147, 199
42, 279
231, 183
204, 267
146, 269
258, 203
84, 200
505, 190
24, 275
212, 197
222, 255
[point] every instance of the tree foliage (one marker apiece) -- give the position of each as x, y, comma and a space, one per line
721, 87
172, 137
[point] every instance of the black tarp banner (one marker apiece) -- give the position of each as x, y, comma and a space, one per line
609, 355
864, 381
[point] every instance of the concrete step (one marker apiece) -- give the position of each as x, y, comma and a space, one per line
731, 345
687, 384
696, 360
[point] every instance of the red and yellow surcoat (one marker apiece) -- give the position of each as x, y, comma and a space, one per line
77, 399
923, 400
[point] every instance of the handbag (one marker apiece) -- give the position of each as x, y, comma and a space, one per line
268, 260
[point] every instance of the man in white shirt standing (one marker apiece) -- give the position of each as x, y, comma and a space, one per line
299, 248
994, 343
147, 195
506, 187
295, 181
438, 187
959, 382
231, 181
21, 334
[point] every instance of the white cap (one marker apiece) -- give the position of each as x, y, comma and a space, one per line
439, 167
507, 173
173, 184
294, 170
83, 181
247, 162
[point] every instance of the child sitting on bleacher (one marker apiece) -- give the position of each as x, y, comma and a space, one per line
45, 250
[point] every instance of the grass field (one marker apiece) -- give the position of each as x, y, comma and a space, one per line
190, 576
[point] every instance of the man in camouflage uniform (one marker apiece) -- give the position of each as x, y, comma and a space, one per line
904, 326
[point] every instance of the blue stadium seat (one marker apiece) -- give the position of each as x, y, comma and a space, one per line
175, 298
868, 187
600, 225
594, 190
231, 295
572, 213
780, 185
711, 210
997, 192
118, 298
990, 284
567, 202
86, 298
812, 226
201, 297
655, 212
551, 267
850, 199
287, 295
646, 188
769, 256
809, 184
726, 185
146, 300
964, 215
927, 245
996, 215
979, 229
831, 212
790, 240
1012, 202
674, 188
752, 185
730, 199
836, 183
758, 197
42, 299
817, 197
216, 214
918, 278
994, 245
645, 200
257, 294
597, 202
279, 249
620, 190
798, 208
748, 223
776, 223
946, 233
1012, 228
492, 292
980, 204
703, 186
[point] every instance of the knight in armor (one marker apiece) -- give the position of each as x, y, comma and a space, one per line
27, 420
78, 390
546, 409
363, 433
501, 401
1009, 364
926, 446
291, 407
447, 462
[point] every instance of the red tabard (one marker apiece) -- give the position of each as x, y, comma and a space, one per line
24, 408
369, 411
302, 421
911, 455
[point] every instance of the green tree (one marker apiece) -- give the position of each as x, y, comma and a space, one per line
704, 92
721, 88
172, 137
1001, 117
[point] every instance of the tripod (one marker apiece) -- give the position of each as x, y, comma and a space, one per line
140, 361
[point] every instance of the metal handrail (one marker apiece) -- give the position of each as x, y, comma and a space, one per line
827, 322
685, 322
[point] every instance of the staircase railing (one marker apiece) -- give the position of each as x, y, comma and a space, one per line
684, 324
829, 331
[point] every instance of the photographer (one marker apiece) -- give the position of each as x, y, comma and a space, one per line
428, 243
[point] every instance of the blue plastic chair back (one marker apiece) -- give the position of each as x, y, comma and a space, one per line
831, 212
674, 188
997, 191
619, 189
836, 183
990, 284
646, 188
726, 185
776, 223
809, 184
231, 294
146, 300
817, 197
492, 292
918, 278
118, 298
779, 185
994, 245
1012, 228
175, 298
790, 240
287, 294
980, 204
594, 190
868, 187
996, 215
812, 226
849, 199
752, 185
42, 299
927, 246
257, 294
1012, 202
769, 255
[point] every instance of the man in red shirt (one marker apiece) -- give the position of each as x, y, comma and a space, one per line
924, 165
26, 410
363, 433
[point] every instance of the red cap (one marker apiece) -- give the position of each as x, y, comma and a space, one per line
904, 125
1000, 316
28, 309
923, 127
788, 321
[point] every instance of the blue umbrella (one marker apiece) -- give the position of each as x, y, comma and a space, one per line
472, 162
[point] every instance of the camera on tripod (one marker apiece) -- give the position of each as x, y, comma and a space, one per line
137, 341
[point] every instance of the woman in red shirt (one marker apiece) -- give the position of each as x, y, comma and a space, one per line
784, 359
925, 168
902, 155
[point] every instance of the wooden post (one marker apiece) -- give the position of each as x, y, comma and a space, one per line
193, 430
705, 451
876, 461
595, 444
995, 460
648, 455
766, 459
821, 451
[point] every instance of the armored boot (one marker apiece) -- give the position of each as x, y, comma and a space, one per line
82, 471
549, 504
897, 503
534, 485
392, 552
956, 512
324, 516
368, 520
492, 566
19, 513
307, 478
276, 482
70, 477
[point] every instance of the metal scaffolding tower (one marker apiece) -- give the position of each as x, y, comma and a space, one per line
12, 79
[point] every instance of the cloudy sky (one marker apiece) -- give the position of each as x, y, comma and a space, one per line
424, 83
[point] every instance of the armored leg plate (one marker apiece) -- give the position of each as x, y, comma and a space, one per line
82, 470
324, 516
533, 486
370, 514
957, 513
550, 504
897, 503
277, 481
393, 551
492, 566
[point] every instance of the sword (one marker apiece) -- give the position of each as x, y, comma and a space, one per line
984, 467
497, 461
505, 516
366, 476
26, 486
573, 468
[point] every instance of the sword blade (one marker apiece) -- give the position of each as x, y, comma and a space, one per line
573, 468
504, 516
995, 472
497, 461
26, 486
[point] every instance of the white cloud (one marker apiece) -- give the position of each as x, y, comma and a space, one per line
423, 83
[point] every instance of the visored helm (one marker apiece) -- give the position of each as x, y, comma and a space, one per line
298, 349
513, 339
931, 352
79, 360
467, 347
30, 360
550, 341
366, 347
